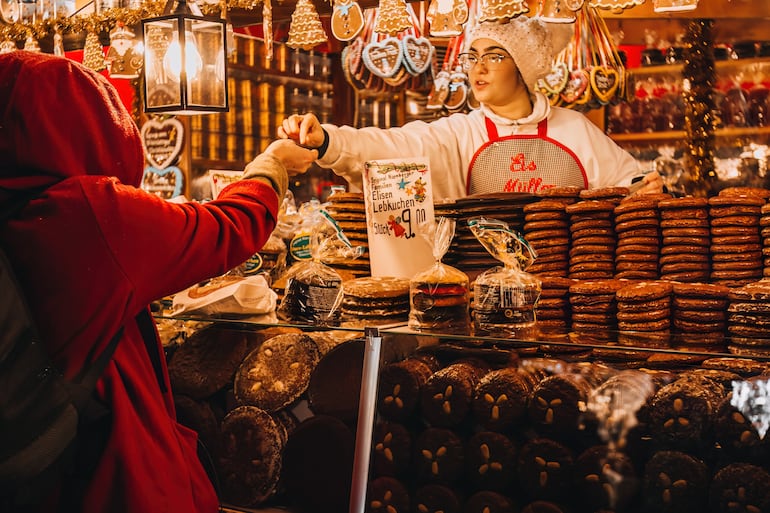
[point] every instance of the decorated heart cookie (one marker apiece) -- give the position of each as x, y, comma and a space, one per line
418, 53
604, 82
383, 58
576, 86
555, 81
347, 19
166, 183
162, 141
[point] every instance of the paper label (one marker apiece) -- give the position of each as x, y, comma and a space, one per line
399, 198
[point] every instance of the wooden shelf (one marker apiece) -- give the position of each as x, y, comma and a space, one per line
673, 135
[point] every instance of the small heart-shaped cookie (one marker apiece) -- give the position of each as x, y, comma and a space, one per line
162, 141
383, 58
604, 82
555, 81
576, 86
418, 53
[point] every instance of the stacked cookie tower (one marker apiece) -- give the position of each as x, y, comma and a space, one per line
347, 208
638, 232
546, 228
736, 249
699, 313
764, 232
592, 233
374, 301
594, 309
553, 311
684, 255
748, 321
466, 252
644, 312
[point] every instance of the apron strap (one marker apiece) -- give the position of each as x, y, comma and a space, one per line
542, 129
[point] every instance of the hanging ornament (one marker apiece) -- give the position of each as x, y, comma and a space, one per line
556, 11
674, 5
615, 5
7, 46
58, 43
347, 19
93, 53
392, 17
267, 28
443, 17
306, 30
502, 10
31, 44
123, 59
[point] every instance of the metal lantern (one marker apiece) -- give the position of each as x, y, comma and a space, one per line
185, 70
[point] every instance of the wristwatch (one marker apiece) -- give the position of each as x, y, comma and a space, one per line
9, 11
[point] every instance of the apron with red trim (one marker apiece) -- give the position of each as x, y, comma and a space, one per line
523, 163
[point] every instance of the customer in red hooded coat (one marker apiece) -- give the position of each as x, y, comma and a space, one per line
93, 250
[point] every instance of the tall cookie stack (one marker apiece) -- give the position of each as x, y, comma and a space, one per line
748, 320
466, 252
347, 208
594, 309
699, 313
592, 250
736, 249
644, 312
553, 312
546, 228
684, 254
374, 301
638, 233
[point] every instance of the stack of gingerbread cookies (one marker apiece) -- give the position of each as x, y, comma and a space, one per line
684, 255
736, 249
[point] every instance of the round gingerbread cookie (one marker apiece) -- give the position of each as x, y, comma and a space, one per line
685, 213
545, 215
545, 205
249, 462
644, 291
759, 192
675, 482
730, 200
684, 223
604, 192
277, 372
376, 286
569, 192
636, 203
684, 202
740, 487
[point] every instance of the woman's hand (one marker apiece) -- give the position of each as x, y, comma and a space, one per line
295, 158
305, 129
652, 183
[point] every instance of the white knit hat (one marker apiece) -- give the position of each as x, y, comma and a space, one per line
532, 42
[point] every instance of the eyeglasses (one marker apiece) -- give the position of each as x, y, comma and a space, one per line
490, 60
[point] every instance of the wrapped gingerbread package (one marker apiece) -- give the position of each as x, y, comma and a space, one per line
504, 296
439, 297
313, 289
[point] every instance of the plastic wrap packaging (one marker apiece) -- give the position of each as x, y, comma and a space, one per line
313, 289
269, 261
439, 297
228, 295
505, 296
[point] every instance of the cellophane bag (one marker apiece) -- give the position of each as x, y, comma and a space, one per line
313, 289
504, 296
439, 297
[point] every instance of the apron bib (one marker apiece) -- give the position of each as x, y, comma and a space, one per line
523, 163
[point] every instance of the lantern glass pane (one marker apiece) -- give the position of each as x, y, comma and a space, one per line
206, 69
161, 83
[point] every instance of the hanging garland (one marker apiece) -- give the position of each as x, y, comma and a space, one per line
106, 20
699, 79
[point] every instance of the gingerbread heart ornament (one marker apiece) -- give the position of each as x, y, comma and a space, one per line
162, 141
604, 82
383, 58
347, 19
418, 53
576, 86
555, 81
166, 183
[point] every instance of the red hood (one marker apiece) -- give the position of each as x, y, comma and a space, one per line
84, 134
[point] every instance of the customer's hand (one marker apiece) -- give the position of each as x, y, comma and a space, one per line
295, 158
305, 129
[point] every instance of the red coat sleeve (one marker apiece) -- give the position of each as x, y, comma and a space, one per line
165, 247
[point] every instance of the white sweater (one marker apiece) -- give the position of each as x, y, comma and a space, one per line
450, 143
